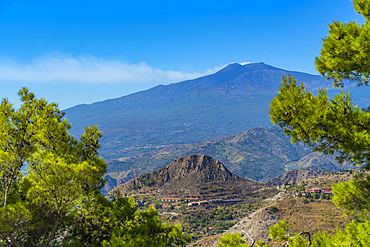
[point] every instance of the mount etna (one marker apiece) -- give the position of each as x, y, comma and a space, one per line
229, 101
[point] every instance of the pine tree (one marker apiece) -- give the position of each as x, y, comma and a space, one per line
43, 170
232, 240
50, 186
334, 126
345, 51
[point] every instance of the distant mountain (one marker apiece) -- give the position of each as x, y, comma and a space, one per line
229, 101
192, 176
259, 154
296, 176
116, 178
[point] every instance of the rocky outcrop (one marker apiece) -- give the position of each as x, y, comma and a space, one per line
255, 226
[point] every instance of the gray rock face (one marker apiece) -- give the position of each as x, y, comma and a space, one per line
199, 168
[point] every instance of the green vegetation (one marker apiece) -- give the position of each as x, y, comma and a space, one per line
232, 239
147, 179
50, 186
273, 209
119, 223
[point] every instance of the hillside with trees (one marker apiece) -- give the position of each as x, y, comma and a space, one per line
312, 213
296, 176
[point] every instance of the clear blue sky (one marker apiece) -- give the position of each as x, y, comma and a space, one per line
74, 52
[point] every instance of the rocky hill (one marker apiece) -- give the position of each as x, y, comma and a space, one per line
296, 176
192, 176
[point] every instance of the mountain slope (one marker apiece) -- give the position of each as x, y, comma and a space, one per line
232, 100
259, 154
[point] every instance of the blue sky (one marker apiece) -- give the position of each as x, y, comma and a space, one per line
74, 52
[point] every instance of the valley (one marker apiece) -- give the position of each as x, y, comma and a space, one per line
223, 115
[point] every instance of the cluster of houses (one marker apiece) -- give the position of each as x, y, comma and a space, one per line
326, 190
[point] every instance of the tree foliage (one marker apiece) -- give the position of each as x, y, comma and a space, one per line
50, 186
232, 240
345, 51
44, 170
333, 126
100, 222
355, 234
